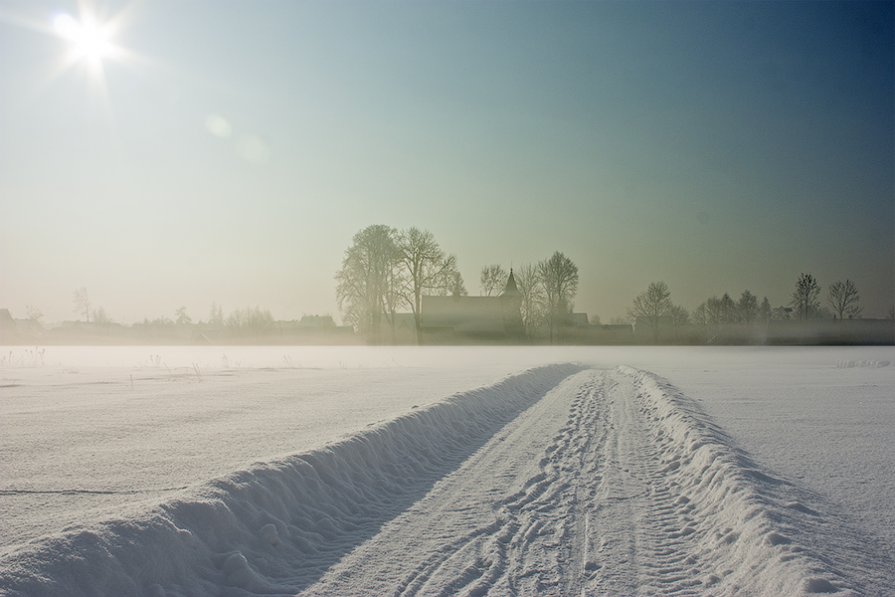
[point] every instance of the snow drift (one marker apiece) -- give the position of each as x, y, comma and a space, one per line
275, 528
762, 532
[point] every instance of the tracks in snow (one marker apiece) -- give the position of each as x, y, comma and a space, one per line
613, 484
539, 531
556, 481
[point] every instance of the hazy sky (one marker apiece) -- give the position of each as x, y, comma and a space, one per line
230, 150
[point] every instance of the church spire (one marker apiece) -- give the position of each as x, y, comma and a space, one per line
510, 289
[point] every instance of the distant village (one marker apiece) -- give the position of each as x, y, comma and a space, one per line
401, 287
454, 319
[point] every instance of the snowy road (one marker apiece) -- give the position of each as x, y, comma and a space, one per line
560, 480
590, 492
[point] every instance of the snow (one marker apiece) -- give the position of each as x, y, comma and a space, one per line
333, 471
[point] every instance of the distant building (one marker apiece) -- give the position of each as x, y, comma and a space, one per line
475, 315
7, 326
578, 320
317, 322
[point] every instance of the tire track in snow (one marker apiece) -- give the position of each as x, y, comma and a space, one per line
716, 523
609, 483
277, 527
522, 518
492, 526
576, 464
613, 484
642, 526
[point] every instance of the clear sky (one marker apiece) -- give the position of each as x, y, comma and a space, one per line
228, 150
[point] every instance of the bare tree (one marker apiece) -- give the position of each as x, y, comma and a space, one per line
250, 321
365, 280
708, 316
679, 316
34, 314
700, 315
805, 296
531, 290
559, 278
181, 317
714, 308
458, 288
216, 316
425, 268
100, 317
652, 305
728, 309
764, 310
747, 307
493, 279
397, 283
82, 303
845, 300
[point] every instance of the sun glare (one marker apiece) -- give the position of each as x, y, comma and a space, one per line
90, 40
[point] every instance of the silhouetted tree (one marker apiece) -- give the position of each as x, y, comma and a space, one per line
728, 309
559, 277
708, 316
425, 268
845, 300
747, 307
764, 311
181, 317
100, 317
531, 290
805, 296
82, 303
652, 306
250, 321
216, 317
493, 279
713, 311
34, 314
679, 316
365, 282
458, 288
700, 315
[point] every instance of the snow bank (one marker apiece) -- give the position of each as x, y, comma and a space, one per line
765, 535
275, 528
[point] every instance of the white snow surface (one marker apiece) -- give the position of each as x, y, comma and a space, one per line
370, 471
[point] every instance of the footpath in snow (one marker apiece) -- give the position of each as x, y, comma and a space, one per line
561, 480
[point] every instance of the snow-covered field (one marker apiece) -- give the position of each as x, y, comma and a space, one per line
346, 471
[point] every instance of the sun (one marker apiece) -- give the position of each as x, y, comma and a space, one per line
90, 41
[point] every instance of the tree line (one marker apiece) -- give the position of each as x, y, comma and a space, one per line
385, 270
250, 320
654, 306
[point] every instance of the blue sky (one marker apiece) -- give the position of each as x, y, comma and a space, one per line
716, 146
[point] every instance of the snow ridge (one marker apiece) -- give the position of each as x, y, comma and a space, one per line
277, 527
724, 512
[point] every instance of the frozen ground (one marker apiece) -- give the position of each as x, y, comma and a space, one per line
747, 471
